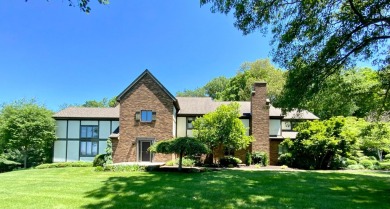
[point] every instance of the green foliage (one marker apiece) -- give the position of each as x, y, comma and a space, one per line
349, 162
222, 128
240, 86
387, 157
123, 168
248, 159
314, 39
323, 144
376, 137
384, 165
8, 165
99, 160
29, 129
103, 103
64, 165
355, 92
260, 158
108, 156
182, 146
215, 87
367, 164
199, 92
229, 161
285, 159
355, 167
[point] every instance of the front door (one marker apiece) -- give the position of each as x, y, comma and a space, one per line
143, 154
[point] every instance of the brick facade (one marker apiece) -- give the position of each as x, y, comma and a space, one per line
146, 94
260, 118
274, 151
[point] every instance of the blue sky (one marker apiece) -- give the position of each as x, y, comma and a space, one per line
58, 54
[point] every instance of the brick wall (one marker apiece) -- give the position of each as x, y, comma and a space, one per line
274, 152
260, 118
146, 94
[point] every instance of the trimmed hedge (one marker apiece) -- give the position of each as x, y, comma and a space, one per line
121, 168
355, 167
260, 158
65, 164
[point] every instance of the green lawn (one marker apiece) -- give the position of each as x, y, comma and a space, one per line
84, 188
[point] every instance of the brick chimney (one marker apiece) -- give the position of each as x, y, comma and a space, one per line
260, 118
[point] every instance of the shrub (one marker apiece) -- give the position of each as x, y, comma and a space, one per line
170, 163
229, 161
99, 160
367, 164
248, 159
349, 162
387, 157
260, 158
372, 158
384, 165
8, 165
123, 168
355, 167
65, 164
285, 159
99, 168
283, 167
186, 162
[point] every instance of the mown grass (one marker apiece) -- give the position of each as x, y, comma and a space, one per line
85, 188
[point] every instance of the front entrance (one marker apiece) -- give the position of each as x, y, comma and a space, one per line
143, 154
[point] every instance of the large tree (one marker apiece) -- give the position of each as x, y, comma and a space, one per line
240, 86
222, 128
29, 129
376, 137
315, 39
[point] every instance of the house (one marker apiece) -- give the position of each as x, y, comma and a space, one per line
147, 112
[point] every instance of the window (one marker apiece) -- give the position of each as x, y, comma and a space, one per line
189, 123
286, 125
88, 148
89, 132
146, 116
89, 135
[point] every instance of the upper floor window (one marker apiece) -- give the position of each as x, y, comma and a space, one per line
89, 132
189, 122
146, 116
286, 125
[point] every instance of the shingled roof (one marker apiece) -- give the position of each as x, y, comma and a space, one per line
88, 112
188, 106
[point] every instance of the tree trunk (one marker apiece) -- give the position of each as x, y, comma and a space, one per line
379, 154
25, 159
180, 161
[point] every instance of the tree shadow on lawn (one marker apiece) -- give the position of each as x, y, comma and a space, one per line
243, 189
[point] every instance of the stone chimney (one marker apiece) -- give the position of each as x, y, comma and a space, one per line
260, 118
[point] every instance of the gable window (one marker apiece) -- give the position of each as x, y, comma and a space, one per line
146, 116
189, 122
89, 140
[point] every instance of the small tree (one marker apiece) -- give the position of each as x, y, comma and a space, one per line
376, 137
182, 146
29, 129
222, 128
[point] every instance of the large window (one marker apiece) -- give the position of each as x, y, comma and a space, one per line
89, 132
89, 135
88, 148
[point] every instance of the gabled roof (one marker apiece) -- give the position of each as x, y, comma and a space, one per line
88, 112
147, 72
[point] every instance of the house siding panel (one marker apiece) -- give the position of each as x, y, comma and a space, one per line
181, 126
104, 129
59, 151
73, 151
61, 128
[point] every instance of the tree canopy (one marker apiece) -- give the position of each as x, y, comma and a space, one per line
182, 146
28, 129
222, 128
315, 39
239, 87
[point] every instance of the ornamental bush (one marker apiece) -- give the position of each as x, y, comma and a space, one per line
260, 158
99, 160
229, 161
